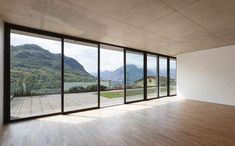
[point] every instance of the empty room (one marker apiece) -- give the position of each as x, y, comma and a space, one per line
117, 72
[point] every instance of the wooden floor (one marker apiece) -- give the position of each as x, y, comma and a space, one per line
163, 122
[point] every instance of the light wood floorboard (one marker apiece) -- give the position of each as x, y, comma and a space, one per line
168, 121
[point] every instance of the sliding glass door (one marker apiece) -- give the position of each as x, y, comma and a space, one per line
48, 73
111, 75
134, 76
80, 75
172, 76
163, 76
35, 75
152, 76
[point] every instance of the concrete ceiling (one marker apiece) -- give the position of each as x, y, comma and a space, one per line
168, 27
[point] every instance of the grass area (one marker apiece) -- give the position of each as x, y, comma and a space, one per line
130, 92
112, 94
118, 94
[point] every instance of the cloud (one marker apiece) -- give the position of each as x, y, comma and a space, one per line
54, 46
135, 58
87, 54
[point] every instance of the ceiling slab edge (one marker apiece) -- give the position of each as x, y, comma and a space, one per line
198, 50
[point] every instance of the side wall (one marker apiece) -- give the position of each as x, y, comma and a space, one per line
207, 75
1, 69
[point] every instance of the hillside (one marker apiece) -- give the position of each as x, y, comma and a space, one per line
133, 74
34, 68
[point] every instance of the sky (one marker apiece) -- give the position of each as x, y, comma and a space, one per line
135, 58
110, 59
173, 64
152, 63
51, 45
85, 54
162, 63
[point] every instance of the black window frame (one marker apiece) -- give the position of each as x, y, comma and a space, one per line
171, 58
124, 78
168, 78
98, 75
157, 59
144, 74
7, 30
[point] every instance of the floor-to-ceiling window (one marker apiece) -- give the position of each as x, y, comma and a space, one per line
80, 75
111, 75
172, 76
134, 76
35, 75
163, 76
152, 76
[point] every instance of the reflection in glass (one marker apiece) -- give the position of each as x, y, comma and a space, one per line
35, 75
111, 75
134, 76
152, 77
162, 76
80, 75
172, 76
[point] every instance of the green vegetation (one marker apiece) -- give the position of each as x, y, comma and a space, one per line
112, 94
131, 92
36, 71
90, 88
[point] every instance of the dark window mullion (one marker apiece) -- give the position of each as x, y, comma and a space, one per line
124, 76
62, 75
158, 84
145, 76
7, 71
168, 76
98, 75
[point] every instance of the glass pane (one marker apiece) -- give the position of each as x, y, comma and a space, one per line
152, 82
172, 76
80, 75
163, 76
134, 76
35, 72
111, 75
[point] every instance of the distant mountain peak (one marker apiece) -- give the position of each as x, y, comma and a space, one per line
30, 46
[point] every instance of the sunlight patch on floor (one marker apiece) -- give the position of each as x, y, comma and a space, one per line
87, 116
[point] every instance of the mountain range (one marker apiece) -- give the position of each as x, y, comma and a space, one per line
133, 73
30, 57
35, 68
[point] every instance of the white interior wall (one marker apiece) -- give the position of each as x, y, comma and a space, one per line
207, 75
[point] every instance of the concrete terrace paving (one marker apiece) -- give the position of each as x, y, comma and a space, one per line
22, 107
